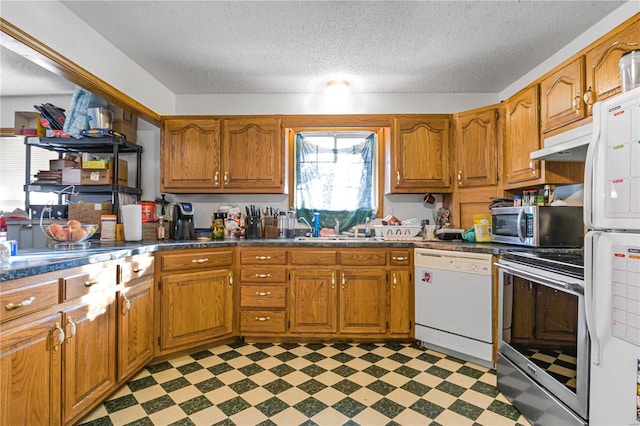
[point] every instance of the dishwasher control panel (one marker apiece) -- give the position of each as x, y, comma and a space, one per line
473, 267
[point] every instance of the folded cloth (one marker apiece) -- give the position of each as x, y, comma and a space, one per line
76, 120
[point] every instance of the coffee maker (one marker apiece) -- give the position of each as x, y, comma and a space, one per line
181, 225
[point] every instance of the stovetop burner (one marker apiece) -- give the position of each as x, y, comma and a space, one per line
566, 263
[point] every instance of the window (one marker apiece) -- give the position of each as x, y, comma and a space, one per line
336, 175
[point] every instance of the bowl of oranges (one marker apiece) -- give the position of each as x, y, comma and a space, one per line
71, 234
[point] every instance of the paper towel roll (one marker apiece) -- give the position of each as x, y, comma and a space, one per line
132, 220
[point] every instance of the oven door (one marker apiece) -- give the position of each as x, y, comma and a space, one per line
544, 333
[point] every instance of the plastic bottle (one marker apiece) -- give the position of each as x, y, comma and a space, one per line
291, 223
316, 224
282, 225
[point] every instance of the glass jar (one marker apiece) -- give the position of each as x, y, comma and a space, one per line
217, 226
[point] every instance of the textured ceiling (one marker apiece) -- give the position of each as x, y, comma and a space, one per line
235, 47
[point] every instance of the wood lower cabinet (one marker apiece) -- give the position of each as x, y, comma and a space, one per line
196, 294
363, 301
313, 301
419, 156
401, 302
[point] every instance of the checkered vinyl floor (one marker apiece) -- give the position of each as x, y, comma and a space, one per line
310, 384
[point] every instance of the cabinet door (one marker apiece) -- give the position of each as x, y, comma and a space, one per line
190, 155
195, 307
30, 371
401, 302
524, 316
602, 70
135, 327
89, 356
313, 300
561, 96
363, 301
253, 155
556, 316
523, 136
476, 148
420, 155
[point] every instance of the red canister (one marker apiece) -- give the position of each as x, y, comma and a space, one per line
148, 211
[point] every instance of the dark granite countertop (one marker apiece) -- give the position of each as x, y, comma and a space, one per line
31, 262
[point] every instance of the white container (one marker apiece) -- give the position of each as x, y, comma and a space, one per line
630, 70
396, 232
132, 221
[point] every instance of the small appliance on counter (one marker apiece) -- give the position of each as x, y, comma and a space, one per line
448, 234
181, 226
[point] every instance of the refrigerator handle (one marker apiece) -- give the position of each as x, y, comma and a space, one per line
589, 166
590, 313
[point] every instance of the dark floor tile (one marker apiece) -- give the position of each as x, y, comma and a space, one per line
342, 357
175, 384
428, 358
368, 346
505, 410
383, 388
145, 421
183, 422
102, 421
371, 357
272, 406
313, 370
344, 371
243, 386
229, 355
277, 386
233, 406
415, 388
209, 385
315, 346
282, 370
121, 403
426, 408
257, 356
471, 372
388, 408
201, 355
309, 423
407, 371
189, 368
237, 344
341, 346
196, 404
286, 356
351, 423
466, 409
349, 407
262, 346
156, 368
311, 386
220, 368
347, 387
454, 359
157, 404
310, 406
402, 359
451, 388
376, 371
394, 346
392, 423
267, 422
143, 383
289, 346
314, 357
225, 422
485, 389
439, 372
251, 369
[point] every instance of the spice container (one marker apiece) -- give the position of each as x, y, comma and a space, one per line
217, 226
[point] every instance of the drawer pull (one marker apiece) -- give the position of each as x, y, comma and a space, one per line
263, 275
73, 328
263, 293
263, 257
395, 281
263, 318
333, 280
127, 305
230, 280
206, 259
135, 271
60, 336
400, 258
26, 302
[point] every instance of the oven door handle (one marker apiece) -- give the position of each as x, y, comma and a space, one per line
589, 305
540, 279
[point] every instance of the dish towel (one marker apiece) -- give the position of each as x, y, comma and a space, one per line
77, 116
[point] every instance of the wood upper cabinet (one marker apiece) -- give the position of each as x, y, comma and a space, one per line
561, 96
420, 154
313, 296
602, 70
253, 155
477, 147
522, 136
363, 301
190, 155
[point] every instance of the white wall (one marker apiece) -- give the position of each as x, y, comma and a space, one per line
10, 104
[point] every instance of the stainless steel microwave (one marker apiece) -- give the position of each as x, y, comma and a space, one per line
538, 226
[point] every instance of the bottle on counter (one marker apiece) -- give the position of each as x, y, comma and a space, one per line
291, 223
316, 224
217, 226
283, 225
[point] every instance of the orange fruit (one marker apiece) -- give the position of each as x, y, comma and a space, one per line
74, 224
78, 234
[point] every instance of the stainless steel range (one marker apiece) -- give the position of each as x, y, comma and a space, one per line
543, 359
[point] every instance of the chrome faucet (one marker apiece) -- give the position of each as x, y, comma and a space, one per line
302, 219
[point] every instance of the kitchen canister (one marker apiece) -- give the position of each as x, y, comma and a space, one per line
132, 221
629, 70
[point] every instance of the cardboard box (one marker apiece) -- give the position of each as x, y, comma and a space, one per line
105, 176
61, 164
90, 213
71, 176
125, 123
28, 123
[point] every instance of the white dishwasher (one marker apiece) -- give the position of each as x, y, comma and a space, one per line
454, 297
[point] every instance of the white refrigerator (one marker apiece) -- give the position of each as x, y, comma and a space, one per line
612, 260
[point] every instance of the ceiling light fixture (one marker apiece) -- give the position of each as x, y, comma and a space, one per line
338, 87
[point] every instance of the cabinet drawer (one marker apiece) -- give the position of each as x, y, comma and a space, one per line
263, 256
400, 257
263, 275
132, 269
363, 258
255, 296
37, 296
87, 280
262, 322
314, 257
195, 260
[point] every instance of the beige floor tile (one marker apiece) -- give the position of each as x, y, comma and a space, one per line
363, 379
289, 417
443, 399
489, 378
476, 398
299, 363
477, 366
166, 375
418, 364
461, 380
371, 417
329, 378
328, 351
402, 397
295, 378
263, 377
451, 418
256, 396
447, 364
181, 360
328, 363
127, 415
428, 379
167, 416
239, 362
122, 391
250, 416
220, 395
502, 398
383, 352
329, 396
198, 376
355, 351
269, 363
358, 364
147, 394
142, 373
210, 361
395, 379
292, 396
208, 416
329, 417
494, 419
185, 394
273, 350
366, 396
301, 351
411, 418
231, 376
217, 350
388, 364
